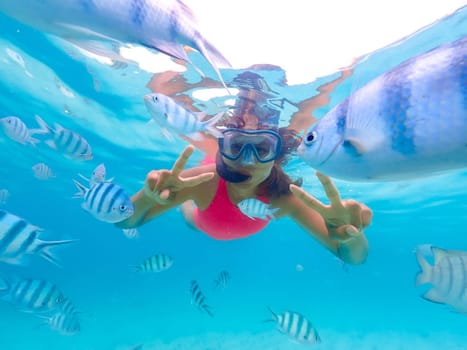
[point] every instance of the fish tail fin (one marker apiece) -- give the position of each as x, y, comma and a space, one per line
274, 316
211, 125
81, 189
208, 310
137, 268
425, 275
84, 178
44, 250
44, 127
213, 56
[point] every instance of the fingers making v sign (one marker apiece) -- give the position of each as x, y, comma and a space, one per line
161, 185
344, 218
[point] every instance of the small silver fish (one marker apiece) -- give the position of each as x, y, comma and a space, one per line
130, 233
66, 141
66, 324
42, 171
198, 299
173, 117
407, 123
98, 175
448, 277
4, 194
156, 263
31, 295
16, 130
222, 279
297, 327
18, 238
106, 201
256, 209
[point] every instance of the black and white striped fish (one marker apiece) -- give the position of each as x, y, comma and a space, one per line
32, 295
18, 238
66, 141
222, 279
16, 130
42, 171
106, 201
173, 117
297, 327
66, 324
98, 175
130, 233
155, 263
448, 277
256, 209
198, 299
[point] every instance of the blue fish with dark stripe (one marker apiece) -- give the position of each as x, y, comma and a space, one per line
67, 142
32, 295
19, 239
106, 201
407, 123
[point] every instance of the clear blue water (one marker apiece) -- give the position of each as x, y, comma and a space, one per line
373, 306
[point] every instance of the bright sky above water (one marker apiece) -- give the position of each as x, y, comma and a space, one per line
309, 38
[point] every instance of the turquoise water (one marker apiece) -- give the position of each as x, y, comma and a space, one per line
373, 306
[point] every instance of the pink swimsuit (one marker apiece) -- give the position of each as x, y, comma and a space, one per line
223, 220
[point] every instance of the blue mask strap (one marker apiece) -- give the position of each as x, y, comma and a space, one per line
227, 174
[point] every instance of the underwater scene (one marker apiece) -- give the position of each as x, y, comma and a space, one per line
83, 121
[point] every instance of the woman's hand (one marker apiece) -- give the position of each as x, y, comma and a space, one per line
162, 185
344, 218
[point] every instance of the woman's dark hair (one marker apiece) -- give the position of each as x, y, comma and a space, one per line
278, 182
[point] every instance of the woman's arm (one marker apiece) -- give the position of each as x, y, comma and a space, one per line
166, 189
339, 226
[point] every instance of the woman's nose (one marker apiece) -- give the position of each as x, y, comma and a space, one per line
248, 158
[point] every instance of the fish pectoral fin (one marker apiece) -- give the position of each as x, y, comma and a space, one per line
100, 48
359, 143
171, 49
433, 296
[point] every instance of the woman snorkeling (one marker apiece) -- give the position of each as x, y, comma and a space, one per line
248, 166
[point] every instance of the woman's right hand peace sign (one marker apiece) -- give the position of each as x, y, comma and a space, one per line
162, 185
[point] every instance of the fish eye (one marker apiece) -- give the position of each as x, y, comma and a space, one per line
311, 138
122, 207
155, 99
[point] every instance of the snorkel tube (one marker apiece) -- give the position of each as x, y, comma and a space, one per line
227, 173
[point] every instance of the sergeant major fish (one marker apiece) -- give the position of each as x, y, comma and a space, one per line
42, 171
156, 263
18, 239
16, 130
66, 141
409, 122
173, 117
256, 209
448, 277
32, 295
222, 279
198, 299
66, 324
98, 175
296, 326
99, 26
106, 201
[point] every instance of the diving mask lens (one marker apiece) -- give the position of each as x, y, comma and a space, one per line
264, 144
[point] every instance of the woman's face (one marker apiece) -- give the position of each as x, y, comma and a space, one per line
258, 172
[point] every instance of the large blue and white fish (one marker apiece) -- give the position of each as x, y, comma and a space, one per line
256, 209
447, 277
173, 117
102, 26
18, 239
17, 130
68, 142
31, 295
409, 122
106, 201
297, 327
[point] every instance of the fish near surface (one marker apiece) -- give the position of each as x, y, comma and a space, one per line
407, 123
447, 276
101, 26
